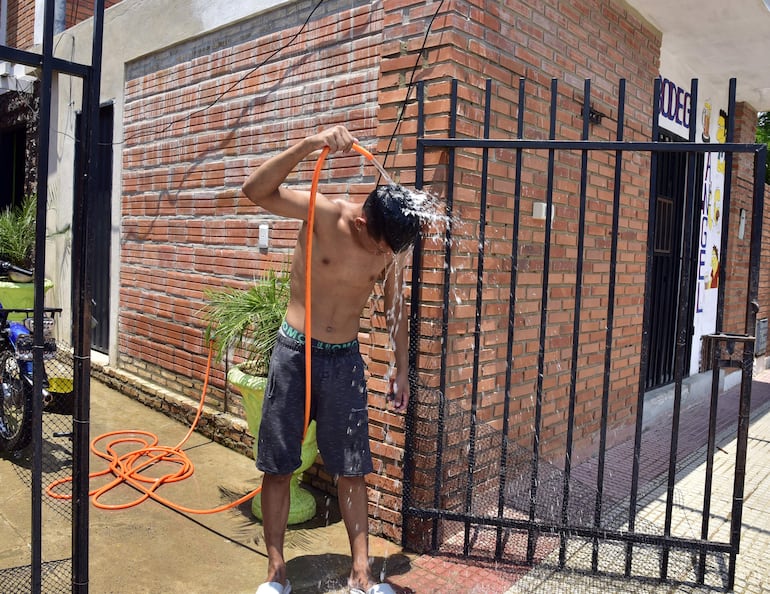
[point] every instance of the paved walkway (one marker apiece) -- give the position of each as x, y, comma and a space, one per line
155, 550
440, 574
752, 569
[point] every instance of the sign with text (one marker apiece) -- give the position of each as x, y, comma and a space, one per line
713, 128
676, 109
675, 106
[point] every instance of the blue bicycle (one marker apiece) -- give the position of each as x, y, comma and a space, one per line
16, 366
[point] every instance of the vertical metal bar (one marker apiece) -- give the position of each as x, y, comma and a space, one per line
610, 323
445, 311
81, 330
44, 130
414, 317
511, 319
711, 440
646, 316
575, 326
477, 322
531, 537
683, 335
752, 307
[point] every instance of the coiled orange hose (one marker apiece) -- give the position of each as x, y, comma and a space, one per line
127, 468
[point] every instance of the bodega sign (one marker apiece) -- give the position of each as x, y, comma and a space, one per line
675, 107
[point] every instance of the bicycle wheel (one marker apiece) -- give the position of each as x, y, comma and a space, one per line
15, 405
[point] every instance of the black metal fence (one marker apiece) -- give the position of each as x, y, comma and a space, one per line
40, 568
527, 439
17, 476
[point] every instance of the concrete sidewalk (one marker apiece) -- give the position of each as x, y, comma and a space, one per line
752, 568
150, 548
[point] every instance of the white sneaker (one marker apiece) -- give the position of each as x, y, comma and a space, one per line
274, 588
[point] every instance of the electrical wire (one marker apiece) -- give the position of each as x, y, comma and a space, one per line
410, 86
227, 90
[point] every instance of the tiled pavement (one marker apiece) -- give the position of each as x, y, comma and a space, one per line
437, 574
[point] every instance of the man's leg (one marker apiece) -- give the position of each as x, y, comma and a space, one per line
275, 515
353, 507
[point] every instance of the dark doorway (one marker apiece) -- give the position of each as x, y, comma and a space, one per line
12, 163
101, 227
668, 256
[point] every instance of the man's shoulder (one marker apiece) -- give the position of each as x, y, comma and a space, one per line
331, 207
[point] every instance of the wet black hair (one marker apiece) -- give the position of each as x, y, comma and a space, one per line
391, 215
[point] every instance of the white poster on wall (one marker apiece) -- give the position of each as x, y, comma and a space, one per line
711, 124
675, 106
713, 128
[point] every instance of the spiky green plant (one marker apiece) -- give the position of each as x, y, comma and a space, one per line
248, 319
17, 233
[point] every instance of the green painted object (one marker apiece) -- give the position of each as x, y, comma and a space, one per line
15, 295
303, 506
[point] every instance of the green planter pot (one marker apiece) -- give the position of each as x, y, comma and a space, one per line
302, 506
15, 295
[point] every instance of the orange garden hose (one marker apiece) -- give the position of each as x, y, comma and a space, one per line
308, 281
127, 468
308, 267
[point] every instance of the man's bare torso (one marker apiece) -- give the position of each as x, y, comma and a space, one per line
344, 272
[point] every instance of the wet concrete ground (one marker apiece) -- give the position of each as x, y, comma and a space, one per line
151, 548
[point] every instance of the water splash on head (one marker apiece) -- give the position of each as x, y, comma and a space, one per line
406, 212
421, 213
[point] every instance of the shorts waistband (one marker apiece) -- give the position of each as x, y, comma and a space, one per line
293, 338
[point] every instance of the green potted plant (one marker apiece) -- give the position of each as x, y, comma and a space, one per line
17, 235
248, 320
17, 246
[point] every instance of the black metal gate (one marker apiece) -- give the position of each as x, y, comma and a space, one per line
44, 574
530, 325
667, 258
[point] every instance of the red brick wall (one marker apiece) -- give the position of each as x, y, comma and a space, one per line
599, 40
21, 19
737, 272
77, 12
187, 228
21, 24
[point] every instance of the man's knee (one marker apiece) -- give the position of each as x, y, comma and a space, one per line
351, 484
277, 480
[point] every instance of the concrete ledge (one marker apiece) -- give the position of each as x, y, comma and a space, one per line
220, 427
695, 389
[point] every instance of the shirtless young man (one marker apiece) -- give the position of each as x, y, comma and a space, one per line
354, 245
